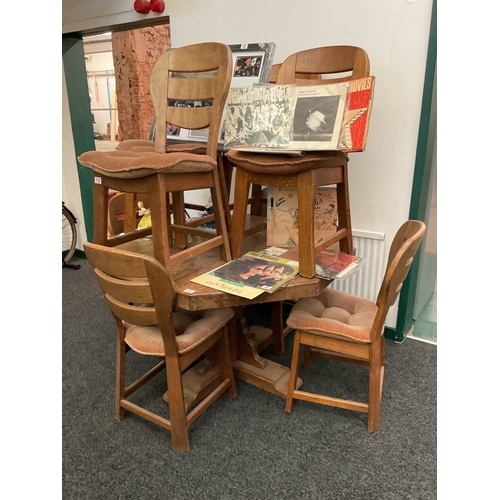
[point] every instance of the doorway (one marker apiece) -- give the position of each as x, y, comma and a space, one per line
101, 84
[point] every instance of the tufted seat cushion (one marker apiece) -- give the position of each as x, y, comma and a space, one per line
132, 164
142, 145
189, 330
335, 314
269, 163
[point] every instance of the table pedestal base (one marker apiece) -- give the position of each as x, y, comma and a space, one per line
198, 383
272, 377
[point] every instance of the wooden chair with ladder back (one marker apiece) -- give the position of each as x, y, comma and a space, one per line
129, 200
340, 326
258, 196
199, 72
323, 65
314, 168
141, 296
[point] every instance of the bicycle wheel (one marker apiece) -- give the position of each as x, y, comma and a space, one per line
68, 236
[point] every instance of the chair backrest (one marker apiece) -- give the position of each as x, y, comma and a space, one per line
116, 213
403, 248
275, 68
137, 288
307, 66
273, 75
184, 81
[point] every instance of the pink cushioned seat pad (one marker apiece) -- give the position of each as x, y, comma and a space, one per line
336, 314
269, 163
130, 164
189, 331
142, 145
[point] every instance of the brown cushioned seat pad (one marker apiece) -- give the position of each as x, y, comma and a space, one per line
130, 164
189, 331
269, 163
335, 314
142, 145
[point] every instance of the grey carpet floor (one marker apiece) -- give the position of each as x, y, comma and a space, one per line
246, 448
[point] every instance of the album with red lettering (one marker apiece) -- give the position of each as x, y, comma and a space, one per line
321, 117
357, 113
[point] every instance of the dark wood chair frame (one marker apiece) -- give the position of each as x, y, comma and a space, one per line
139, 290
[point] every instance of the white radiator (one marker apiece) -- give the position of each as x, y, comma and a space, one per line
366, 282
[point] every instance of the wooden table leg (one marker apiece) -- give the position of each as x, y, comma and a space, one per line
272, 378
248, 365
254, 369
197, 383
277, 326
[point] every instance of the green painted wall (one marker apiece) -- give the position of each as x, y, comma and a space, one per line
81, 119
421, 180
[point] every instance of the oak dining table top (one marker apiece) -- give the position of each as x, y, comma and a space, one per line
195, 297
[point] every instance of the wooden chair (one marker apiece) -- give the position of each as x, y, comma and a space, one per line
121, 216
200, 72
275, 68
340, 326
273, 75
145, 146
258, 195
314, 168
141, 295
337, 63
116, 213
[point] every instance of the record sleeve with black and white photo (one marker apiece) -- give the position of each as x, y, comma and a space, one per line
258, 115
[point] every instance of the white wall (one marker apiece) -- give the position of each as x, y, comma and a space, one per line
394, 33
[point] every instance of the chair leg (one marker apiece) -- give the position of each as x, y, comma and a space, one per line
374, 409
178, 418
382, 353
129, 223
307, 357
226, 367
180, 240
374, 389
100, 195
256, 206
121, 353
241, 189
159, 219
344, 211
292, 382
306, 192
224, 170
219, 217
170, 204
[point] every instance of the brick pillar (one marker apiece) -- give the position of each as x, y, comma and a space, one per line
134, 54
